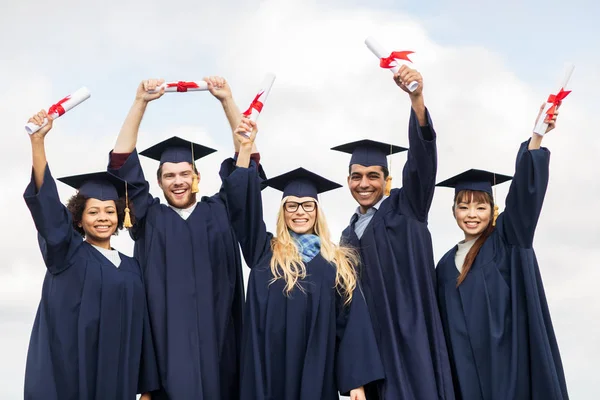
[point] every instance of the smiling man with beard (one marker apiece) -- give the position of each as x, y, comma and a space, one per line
190, 259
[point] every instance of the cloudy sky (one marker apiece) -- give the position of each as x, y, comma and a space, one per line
487, 67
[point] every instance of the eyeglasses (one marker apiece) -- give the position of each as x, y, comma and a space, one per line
292, 206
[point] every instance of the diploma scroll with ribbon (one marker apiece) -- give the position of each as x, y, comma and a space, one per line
390, 60
259, 100
181, 87
553, 102
61, 107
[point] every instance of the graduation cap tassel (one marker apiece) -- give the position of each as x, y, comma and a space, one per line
496, 212
194, 174
388, 180
127, 220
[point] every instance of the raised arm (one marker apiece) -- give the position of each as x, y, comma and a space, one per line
527, 190
124, 161
242, 192
57, 239
127, 139
418, 175
219, 88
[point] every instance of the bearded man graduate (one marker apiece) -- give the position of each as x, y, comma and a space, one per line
398, 276
190, 257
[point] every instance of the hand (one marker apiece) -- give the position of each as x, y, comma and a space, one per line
218, 87
146, 85
241, 132
551, 122
146, 396
358, 394
38, 119
404, 76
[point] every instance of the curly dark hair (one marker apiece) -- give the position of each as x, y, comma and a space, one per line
76, 205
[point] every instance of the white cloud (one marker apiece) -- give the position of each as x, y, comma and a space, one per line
329, 90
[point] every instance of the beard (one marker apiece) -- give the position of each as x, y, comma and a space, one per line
181, 203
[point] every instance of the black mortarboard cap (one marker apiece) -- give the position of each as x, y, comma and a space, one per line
369, 152
301, 183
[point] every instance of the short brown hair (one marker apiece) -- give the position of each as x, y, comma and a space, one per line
76, 205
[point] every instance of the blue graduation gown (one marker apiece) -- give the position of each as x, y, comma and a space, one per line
305, 346
194, 286
91, 336
497, 324
398, 278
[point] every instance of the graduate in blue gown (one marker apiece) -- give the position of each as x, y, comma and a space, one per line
494, 309
390, 229
91, 337
190, 258
307, 332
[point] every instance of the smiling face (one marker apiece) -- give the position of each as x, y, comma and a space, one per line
366, 185
99, 221
176, 184
300, 214
473, 212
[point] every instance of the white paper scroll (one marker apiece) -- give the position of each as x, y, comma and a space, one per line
541, 126
181, 87
61, 107
258, 103
381, 53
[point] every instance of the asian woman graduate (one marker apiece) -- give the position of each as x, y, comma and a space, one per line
91, 336
307, 331
492, 302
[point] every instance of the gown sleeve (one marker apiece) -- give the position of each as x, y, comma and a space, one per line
131, 172
525, 196
148, 380
418, 175
57, 239
357, 356
242, 193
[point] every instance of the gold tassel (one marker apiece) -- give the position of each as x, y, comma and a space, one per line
195, 183
194, 175
496, 213
388, 185
127, 220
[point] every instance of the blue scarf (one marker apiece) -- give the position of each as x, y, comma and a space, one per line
308, 245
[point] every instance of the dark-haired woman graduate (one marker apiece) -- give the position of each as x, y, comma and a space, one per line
494, 311
91, 336
307, 332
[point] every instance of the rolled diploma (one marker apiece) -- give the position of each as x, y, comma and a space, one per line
541, 126
265, 89
73, 100
202, 85
380, 53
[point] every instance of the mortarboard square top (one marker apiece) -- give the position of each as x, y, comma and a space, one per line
475, 179
301, 183
369, 152
176, 150
97, 185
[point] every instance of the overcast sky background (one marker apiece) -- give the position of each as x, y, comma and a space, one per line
487, 67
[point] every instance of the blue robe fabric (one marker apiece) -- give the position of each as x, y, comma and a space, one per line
91, 337
193, 278
398, 278
497, 323
305, 346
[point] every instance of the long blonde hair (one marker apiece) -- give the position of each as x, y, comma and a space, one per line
287, 263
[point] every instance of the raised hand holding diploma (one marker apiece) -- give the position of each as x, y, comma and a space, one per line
61, 107
554, 101
389, 60
181, 87
258, 103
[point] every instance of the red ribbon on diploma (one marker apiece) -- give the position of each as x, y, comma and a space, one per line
556, 100
257, 105
386, 62
58, 108
183, 86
